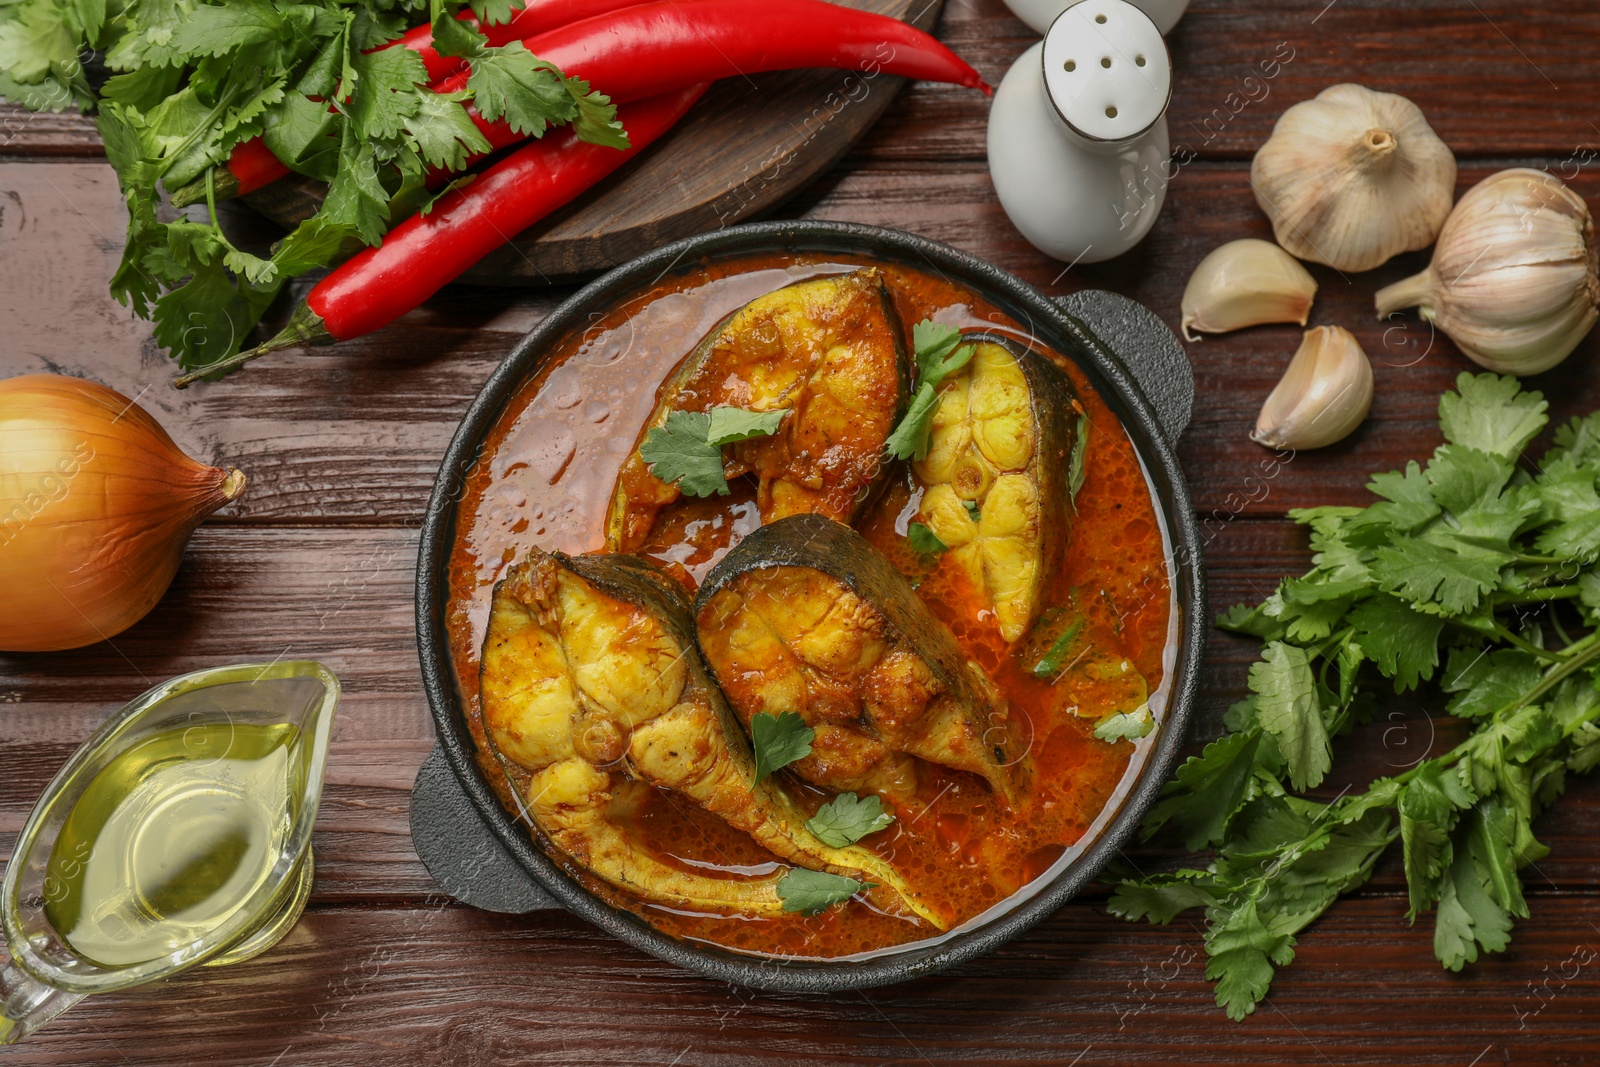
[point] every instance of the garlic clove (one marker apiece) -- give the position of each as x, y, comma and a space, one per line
1323, 396
1246, 283
1353, 178
1514, 280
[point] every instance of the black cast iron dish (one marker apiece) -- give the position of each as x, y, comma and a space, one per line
479, 853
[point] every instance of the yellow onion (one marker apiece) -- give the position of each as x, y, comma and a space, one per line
96, 505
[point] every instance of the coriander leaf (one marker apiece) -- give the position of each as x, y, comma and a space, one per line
385, 93
1055, 658
1455, 577
453, 36
1408, 501
1287, 708
36, 41
1254, 621
141, 89
1586, 753
1465, 479
1578, 440
595, 121
442, 132
910, 438
1429, 808
1243, 951
1078, 460
1491, 413
1403, 643
208, 317
495, 12
937, 357
1468, 917
1492, 832
356, 198
846, 819
1159, 898
730, 424
257, 271
812, 892
1485, 681
316, 242
924, 540
1570, 506
932, 342
778, 740
972, 509
1126, 725
512, 83
304, 135
678, 452
1207, 790
217, 29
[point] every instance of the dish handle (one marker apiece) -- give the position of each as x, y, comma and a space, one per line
460, 850
1142, 342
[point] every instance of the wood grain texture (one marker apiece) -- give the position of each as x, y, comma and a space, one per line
342, 446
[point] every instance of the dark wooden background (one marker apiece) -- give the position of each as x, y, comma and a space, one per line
342, 446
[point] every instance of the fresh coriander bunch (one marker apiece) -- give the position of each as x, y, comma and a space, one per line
192, 79
1473, 562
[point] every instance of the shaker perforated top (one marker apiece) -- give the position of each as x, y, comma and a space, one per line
1106, 69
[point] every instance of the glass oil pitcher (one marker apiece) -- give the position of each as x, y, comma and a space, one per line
179, 834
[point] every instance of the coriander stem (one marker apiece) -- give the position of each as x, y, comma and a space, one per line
1527, 646
1539, 596
1579, 655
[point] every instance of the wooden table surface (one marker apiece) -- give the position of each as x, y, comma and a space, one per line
342, 446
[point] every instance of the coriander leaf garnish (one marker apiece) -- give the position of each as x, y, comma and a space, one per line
778, 740
924, 540
687, 449
1465, 558
1055, 658
846, 819
973, 512
812, 892
939, 354
730, 424
1287, 708
1126, 725
678, 452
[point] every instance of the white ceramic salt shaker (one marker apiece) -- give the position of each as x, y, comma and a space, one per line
1078, 144
1040, 13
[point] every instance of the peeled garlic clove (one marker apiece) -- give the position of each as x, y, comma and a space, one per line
1324, 395
1513, 280
1246, 283
1353, 178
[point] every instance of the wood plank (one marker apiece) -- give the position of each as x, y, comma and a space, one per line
353, 433
451, 985
1540, 59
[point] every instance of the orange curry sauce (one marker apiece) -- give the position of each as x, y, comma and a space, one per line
546, 479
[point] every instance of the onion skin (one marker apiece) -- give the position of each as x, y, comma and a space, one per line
96, 506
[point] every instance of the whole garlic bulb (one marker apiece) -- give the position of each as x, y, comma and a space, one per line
1353, 178
1323, 396
96, 505
1513, 280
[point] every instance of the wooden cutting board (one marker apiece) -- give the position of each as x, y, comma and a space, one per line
748, 144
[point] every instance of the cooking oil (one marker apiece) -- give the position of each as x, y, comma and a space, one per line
172, 838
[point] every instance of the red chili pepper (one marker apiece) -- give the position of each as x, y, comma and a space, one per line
651, 48
425, 252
